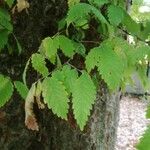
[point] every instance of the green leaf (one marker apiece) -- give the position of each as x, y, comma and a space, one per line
98, 2
126, 52
3, 38
49, 49
70, 77
138, 2
9, 2
22, 89
142, 51
84, 10
98, 15
110, 65
66, 45
5, 20
59, 64
82, 23
67, 76
58, 74
39, 64
4, 14
84, 95
131, 26
115, 14
61, 23
79, 48
145, 33
72, 2
144, 141
81, 8
6, 90
92, 59
56, 97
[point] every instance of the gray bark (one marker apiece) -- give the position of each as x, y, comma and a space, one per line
99, 134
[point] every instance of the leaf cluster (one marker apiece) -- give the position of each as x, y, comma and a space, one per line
113, 59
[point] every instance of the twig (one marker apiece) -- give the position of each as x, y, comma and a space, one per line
147, 42
74, 67
95, 42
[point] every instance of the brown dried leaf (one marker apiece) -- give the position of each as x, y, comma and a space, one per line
22, 4
38, 95
30, 119
31, 123
40, 104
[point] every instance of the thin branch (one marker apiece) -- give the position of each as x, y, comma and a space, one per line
95, 42
126, 32
74, 67
58, 33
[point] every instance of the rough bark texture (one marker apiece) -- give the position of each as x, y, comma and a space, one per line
54, 134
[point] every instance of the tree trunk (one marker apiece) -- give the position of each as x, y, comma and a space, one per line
99, 134
54, 134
